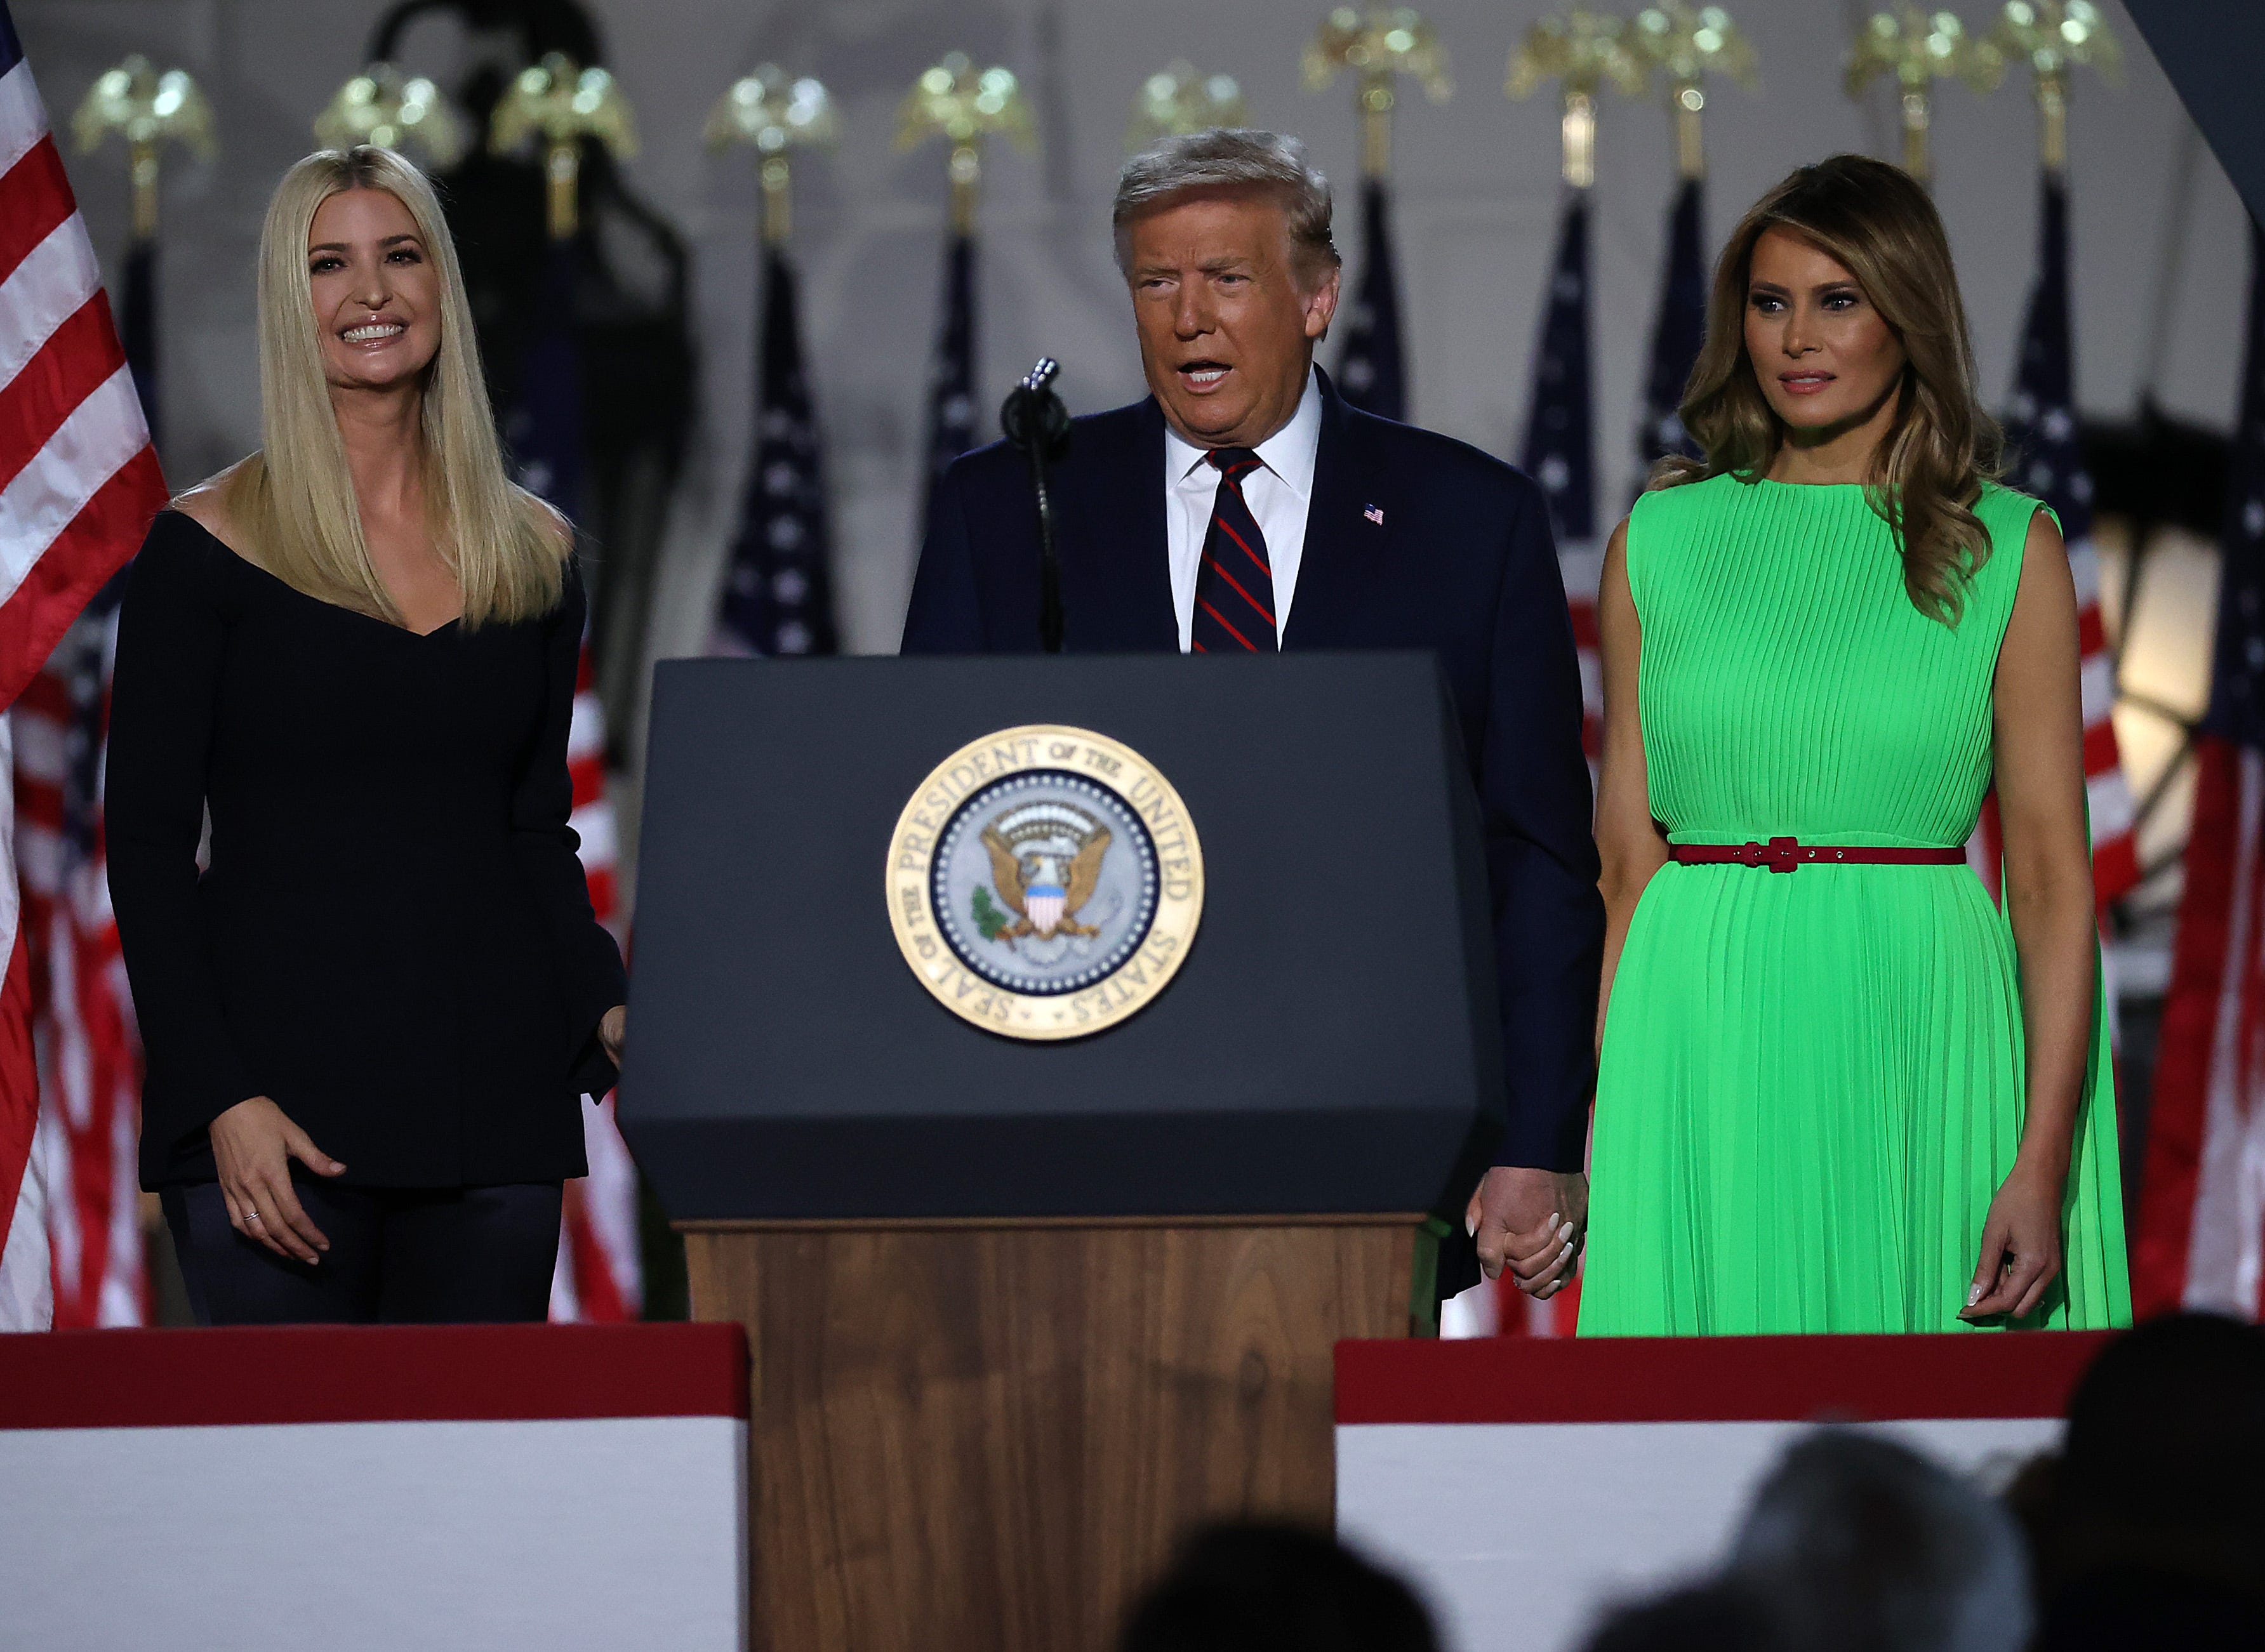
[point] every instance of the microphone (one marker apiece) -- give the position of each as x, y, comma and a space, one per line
1034, 419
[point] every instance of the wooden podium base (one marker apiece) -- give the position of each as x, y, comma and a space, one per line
990, 1435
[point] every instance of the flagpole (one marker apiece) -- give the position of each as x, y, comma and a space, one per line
560, 104
2055, 37
776, 596
954, 101
1376, 48
1685, 44
147, 109
1584, 51
774, 115
563, 104
1915, 48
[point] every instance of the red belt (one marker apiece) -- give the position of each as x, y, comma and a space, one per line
1786, 855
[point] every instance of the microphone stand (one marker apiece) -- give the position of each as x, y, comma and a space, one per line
1034, 419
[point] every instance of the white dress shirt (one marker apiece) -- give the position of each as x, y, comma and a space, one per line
1278, 493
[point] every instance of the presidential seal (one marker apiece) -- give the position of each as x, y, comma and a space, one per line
1045, 882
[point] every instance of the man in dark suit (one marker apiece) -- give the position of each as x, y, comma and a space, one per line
1244, 506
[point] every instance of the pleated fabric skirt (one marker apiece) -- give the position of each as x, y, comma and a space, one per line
1809, 1090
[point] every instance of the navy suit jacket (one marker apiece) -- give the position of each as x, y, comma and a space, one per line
1462, 564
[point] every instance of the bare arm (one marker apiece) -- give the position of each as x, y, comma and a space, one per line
2039, 730
1628, 840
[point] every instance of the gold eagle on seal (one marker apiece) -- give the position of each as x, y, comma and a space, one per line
1046, 864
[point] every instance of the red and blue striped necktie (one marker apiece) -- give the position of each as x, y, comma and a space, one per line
1234, 584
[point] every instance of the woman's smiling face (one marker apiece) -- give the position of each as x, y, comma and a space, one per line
375, 288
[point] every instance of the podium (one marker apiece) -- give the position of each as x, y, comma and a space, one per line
1022, 1309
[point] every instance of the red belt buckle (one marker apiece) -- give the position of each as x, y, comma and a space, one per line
1780, 854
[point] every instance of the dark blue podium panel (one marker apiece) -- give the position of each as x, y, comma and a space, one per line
1329, 1045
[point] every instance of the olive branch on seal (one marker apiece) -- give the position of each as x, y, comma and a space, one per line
988, 918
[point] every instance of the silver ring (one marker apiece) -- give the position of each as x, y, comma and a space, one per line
252, 1216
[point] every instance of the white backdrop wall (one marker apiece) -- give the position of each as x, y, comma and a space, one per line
2159, 253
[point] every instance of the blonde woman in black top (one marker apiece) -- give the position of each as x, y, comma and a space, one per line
369, 1016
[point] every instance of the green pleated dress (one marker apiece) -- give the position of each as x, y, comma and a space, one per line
1811, 1082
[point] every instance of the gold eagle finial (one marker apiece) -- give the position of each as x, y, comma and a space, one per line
954, 101
1582, 50
1915, 49
561, 103
146, 108
777, 115
1178, 99
1684, 44
2055, 37
382, 106
1377, 48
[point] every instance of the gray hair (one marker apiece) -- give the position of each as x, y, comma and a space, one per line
1229, 157
1867, 1546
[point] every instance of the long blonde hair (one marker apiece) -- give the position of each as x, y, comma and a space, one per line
292, 502
1876, 220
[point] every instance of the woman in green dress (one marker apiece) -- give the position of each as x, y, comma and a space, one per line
1839, 1089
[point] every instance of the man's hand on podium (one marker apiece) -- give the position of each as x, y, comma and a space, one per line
1531, 1222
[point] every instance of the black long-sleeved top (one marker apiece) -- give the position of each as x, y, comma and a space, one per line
393, 937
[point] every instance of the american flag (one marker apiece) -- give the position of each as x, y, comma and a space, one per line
2046, 461
1560, 454
79, 482
2201, 1241
777, 598
1561, 449
598, 1276
1678, 328
1372, 372
951, 375
82, 1026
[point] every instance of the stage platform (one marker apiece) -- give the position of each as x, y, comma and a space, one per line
1523, 1484
560, 1487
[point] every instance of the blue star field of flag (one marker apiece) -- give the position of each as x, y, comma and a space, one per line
543, 427
777, 599
2043, 455
952, 376
2237, 700
1678, 329
1559, 443
1372, 372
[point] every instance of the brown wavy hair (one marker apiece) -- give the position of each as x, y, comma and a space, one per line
1928, 471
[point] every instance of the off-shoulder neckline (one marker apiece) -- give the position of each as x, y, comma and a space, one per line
336, 607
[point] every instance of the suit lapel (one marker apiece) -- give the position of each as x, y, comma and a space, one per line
1344, 551
1117, 581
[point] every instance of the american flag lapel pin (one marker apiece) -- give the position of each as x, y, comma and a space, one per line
1374, 512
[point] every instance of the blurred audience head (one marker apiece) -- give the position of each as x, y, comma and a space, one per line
2149, 1525
1259, 1588
1861, 1545
2168, 1429
1710, 1616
